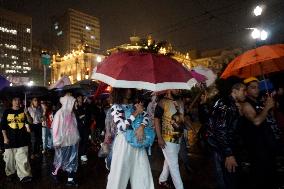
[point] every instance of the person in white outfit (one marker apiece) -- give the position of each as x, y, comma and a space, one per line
169, 136
128, 163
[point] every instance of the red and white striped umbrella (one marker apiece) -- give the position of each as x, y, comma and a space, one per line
145, 71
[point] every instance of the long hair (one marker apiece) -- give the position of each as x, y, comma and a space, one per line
118, 94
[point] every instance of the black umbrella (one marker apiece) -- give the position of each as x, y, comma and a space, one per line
76, 90
24, 92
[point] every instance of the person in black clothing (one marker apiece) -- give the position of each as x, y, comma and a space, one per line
222, 136
83, 120
259, 136
16, 134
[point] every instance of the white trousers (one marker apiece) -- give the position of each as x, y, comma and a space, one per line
171, 165
129, 163
16, 160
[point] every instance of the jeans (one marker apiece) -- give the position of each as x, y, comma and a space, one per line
36, 138
47, 138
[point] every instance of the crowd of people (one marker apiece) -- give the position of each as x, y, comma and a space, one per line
241, 123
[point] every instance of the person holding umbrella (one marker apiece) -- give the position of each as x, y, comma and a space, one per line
128, 162
259, 135
36, 114
15, 129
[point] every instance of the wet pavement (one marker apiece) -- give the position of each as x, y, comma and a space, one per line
93, 175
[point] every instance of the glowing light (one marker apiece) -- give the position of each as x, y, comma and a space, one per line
263, 35
255, 33
31, 83
257, 10
99, 59
88, 28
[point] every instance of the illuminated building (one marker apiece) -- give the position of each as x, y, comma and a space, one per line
75, 28
213, 59
15, 44
77, 65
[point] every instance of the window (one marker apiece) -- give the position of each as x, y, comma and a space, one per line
88, 28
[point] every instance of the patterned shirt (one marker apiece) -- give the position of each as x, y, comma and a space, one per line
122, 120
164, 111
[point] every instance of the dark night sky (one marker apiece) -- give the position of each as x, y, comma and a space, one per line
187, 24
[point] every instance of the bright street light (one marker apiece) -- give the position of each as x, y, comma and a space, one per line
259, 34
257, 10
255, 33
263, 35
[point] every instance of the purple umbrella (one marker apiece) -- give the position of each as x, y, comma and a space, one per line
3, 82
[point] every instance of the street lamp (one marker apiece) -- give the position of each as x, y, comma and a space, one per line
257, 10
263, 35
255, 34
259, 34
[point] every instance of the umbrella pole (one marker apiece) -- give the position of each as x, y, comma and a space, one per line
25, 100
265, 84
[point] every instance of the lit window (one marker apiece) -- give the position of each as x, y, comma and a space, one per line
28, 30
6, 30
59, 33
93, 37
56, 25
10, 46
88, 28
24, 48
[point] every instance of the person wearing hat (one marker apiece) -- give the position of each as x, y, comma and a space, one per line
259, 135
222, 131
16, 134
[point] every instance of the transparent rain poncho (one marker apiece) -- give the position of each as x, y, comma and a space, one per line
65, 136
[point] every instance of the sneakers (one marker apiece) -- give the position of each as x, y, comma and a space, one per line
84, 158
26, 179
72, 183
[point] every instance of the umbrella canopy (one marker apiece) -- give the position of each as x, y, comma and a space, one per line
61, 82
209, 74
22, 91
76, 90
145, 71
262, 60
3, 82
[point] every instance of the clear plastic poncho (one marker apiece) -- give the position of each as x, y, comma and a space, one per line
65, 136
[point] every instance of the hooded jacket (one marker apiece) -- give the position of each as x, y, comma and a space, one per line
64, 125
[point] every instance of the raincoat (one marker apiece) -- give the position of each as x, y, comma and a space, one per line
65, 136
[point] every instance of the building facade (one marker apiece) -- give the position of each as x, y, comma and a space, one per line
15, 45
77, 65
215, 59
75, 28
